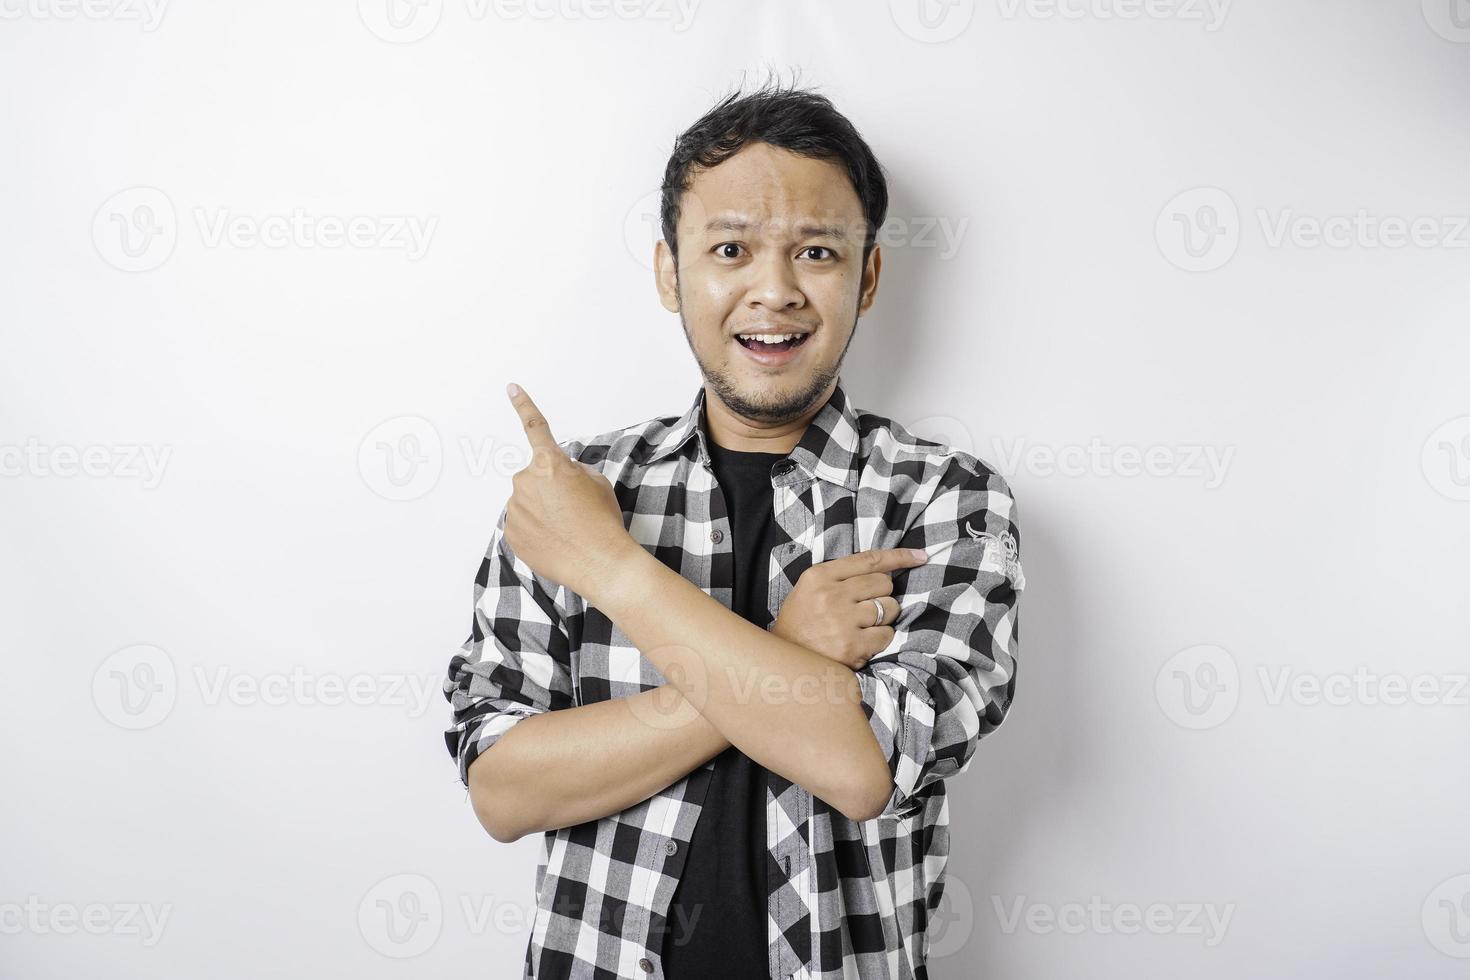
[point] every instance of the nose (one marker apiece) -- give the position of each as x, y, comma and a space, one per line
774, 285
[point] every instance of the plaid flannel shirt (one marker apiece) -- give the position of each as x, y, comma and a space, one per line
846, 899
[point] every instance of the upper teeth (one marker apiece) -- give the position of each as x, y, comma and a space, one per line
769, 338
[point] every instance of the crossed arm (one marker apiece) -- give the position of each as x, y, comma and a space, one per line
573, 764
559, 768
864, 741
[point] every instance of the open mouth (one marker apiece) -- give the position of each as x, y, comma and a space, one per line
761, 347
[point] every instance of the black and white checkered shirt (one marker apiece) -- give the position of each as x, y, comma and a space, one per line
846, 899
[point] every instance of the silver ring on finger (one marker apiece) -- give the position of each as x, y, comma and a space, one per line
878, 606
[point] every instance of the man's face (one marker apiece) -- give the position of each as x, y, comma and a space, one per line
769, 242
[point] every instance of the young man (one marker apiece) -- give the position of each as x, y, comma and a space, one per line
724, 661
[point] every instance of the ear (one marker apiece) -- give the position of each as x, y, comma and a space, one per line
869, 289
666, 276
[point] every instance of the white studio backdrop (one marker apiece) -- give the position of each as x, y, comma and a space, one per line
1193, 275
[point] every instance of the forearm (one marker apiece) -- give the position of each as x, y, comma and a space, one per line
790, 709
566, 767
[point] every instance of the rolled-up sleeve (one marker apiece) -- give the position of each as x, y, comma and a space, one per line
516, 662
948, 676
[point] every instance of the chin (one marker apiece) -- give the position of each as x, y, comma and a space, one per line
774, 397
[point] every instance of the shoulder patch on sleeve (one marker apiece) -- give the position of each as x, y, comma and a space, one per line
1001, 554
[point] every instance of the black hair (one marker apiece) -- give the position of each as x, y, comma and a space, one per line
798, 120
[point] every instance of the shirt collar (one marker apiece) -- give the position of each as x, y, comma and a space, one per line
827, 450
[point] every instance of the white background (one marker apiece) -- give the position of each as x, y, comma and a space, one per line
175, 744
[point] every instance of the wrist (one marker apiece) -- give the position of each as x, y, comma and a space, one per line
624, 575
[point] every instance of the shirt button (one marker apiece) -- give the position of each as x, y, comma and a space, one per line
671, 846
647, 967
717, 535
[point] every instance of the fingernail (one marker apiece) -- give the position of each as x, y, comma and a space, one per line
512, 389
919, 553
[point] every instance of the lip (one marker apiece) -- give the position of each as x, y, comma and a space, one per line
774, 358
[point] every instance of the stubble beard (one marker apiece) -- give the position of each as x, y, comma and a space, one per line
776, 410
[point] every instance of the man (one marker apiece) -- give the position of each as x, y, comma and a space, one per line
724, 661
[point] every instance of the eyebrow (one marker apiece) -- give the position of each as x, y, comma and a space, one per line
806, 231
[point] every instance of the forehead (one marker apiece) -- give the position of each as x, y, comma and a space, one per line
770, 186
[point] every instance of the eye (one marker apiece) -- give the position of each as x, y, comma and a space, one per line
820, 248
719, 249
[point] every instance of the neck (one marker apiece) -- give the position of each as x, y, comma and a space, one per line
732, 431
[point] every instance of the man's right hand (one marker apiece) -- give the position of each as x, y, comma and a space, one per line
831, 610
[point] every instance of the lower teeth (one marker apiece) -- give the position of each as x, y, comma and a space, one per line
760, 345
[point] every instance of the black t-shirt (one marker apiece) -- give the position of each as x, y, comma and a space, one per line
724, 880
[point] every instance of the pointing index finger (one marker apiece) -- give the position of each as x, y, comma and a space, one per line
878, 560
532, 421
